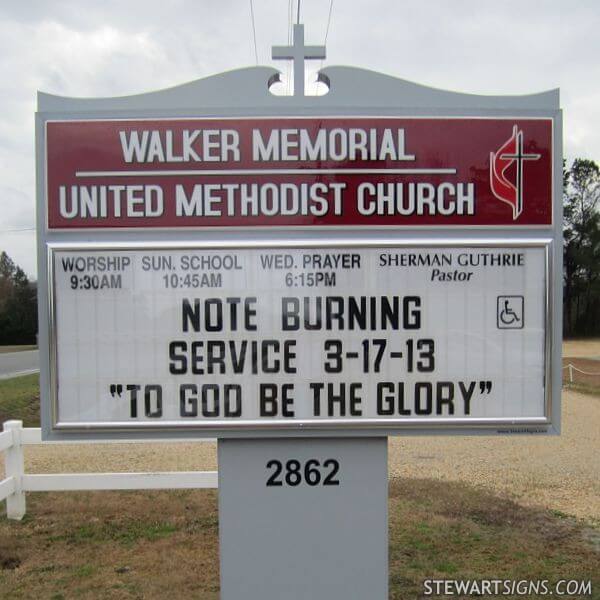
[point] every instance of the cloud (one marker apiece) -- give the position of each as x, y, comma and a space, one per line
16, 209
91, 48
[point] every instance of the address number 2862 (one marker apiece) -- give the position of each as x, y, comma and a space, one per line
311, 472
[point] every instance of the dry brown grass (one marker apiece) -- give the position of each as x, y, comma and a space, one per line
157, 545
453, 531
585, 375
112, 545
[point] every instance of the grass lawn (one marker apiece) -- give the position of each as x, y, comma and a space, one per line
149, 544
20, 399
582, 375
584, 388
6, 349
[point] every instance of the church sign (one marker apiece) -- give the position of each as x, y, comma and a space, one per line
300, 277
299, 264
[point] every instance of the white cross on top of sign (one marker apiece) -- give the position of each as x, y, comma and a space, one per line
298, 52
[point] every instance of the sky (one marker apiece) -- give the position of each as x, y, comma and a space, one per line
113, 48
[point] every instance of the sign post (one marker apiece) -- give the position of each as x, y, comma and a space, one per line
303, 518
300, 277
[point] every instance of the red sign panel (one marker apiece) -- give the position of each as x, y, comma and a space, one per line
299, 172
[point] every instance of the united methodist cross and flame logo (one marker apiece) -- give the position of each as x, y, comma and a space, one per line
508, 186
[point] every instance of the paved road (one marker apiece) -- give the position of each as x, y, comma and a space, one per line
19, 363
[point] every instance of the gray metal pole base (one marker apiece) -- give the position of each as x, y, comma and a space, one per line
303, 518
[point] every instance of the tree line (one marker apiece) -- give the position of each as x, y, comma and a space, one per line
18, 304
581, 266
581, 258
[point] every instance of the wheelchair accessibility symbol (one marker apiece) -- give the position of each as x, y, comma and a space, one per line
510, 312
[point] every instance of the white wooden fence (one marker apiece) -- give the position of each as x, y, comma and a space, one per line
17, 482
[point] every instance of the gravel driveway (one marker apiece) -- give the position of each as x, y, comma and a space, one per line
561, 473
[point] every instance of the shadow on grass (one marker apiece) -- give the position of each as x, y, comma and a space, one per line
147, 544
455, 531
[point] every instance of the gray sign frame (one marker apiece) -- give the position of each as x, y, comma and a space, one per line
353, 92
221, 428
